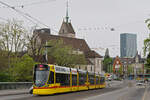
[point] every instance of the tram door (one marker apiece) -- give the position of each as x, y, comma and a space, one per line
74, 78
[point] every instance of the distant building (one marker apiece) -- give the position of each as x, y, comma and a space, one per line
107, 53
128, 45
117, 65
79, 46
131, 66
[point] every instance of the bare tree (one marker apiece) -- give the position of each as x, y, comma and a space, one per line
12, 36
35, 49
12, 39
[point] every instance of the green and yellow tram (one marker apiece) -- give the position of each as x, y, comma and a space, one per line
51, 79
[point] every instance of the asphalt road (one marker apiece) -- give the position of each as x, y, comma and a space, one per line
116, 92
128, 93
66, 96
70, 96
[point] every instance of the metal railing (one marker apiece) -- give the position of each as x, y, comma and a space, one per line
15, 85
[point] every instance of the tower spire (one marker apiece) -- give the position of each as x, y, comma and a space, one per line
67, 7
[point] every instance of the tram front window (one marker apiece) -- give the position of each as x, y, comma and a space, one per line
41, 76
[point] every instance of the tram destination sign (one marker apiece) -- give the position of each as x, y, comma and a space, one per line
41, 67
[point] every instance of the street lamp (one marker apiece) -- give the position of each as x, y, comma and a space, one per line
46, 56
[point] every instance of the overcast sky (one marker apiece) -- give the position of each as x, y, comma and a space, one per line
91, 19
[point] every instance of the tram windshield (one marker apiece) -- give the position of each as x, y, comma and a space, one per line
41, 75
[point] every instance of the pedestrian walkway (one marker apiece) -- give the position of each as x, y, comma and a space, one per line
13, 92
147, 92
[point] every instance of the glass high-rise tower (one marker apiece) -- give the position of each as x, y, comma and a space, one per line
128, 45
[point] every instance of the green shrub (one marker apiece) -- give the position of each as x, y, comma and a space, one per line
4, 77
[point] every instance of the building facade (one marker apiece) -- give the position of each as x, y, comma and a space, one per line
79, 46
68, 36
131, 66
128, 45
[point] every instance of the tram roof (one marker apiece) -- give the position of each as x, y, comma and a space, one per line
91, 73
82, 71
74, 70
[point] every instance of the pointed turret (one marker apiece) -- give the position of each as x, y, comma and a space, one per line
66, 29
67, 15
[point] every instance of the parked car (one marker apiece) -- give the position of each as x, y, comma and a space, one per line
140, 83
109, 78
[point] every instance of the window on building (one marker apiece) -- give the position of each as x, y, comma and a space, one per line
63, 31
97, 62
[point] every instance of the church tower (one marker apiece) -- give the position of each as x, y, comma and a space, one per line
66, 29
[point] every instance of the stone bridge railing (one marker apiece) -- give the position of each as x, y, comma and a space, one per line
15, 85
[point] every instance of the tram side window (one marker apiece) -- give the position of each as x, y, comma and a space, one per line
74, 80
91, 79
63, 79
51, 78
97, 80
82, 78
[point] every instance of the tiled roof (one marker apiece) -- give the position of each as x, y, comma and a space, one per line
66, 28
77, 44
92, 54
89, 62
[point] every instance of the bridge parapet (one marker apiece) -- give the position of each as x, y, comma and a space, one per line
15, 85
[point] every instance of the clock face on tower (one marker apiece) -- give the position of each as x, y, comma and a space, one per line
117, 62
